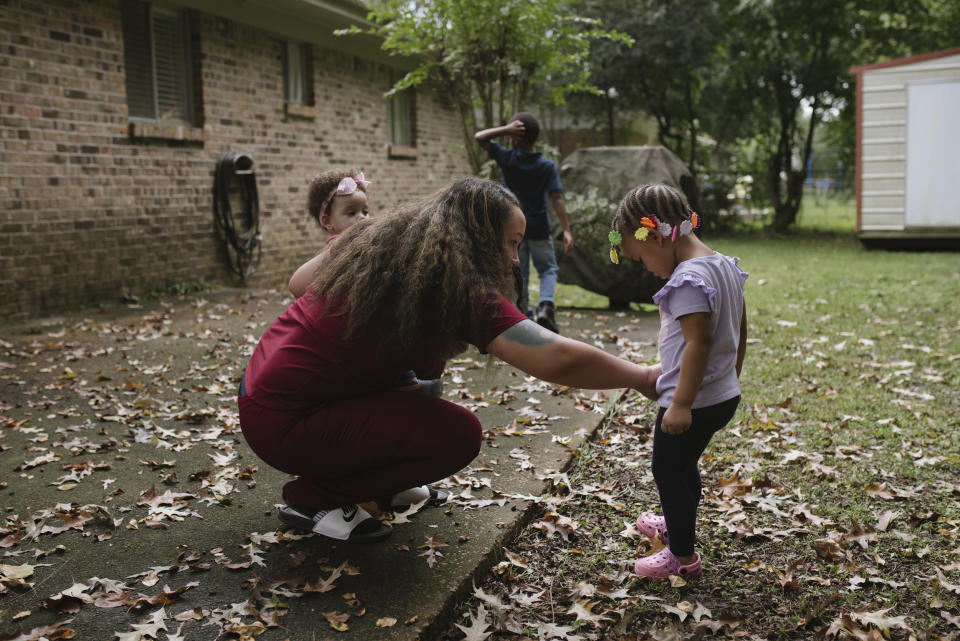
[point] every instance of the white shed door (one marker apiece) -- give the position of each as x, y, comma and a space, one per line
933, 155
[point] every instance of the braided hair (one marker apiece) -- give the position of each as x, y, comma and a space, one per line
667, 204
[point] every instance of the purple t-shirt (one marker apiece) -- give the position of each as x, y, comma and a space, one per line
711, 284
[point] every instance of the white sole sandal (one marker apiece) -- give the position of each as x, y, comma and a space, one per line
350, 523
431, 495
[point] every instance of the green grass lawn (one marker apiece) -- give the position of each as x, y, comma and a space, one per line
831, 501
853, 364
835, 215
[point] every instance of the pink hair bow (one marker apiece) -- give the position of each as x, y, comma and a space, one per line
345, 187
349, 185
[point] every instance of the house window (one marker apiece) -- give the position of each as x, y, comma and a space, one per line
156, 52
297, 74
400, 115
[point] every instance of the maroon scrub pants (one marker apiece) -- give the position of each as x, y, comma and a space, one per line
362, 449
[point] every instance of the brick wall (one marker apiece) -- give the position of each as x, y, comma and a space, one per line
88, 212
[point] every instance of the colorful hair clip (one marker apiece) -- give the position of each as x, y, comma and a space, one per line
650, 224
687, 226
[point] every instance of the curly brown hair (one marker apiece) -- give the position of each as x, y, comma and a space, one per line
425, 271
322, 185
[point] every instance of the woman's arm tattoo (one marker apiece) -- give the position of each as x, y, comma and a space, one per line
528, 333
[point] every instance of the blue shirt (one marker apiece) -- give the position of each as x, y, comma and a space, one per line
530, 177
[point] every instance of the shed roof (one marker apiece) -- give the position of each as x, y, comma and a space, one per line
906, 60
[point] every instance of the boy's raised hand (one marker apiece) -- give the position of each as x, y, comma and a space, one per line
514, 129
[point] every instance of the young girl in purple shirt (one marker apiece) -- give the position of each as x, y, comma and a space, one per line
702, 342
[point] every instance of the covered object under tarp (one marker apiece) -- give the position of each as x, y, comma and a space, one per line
595, 179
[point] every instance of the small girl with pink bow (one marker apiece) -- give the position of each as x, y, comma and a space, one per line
336, 200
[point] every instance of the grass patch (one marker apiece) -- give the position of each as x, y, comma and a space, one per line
831, 500
835, 215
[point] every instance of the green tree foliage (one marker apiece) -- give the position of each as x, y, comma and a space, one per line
734, 87
750, 83
794, 57
891, 30
489, 56
667, 73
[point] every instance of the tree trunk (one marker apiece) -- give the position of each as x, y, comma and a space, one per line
781, 163
786, 210
611, 138
501, 97
780, 214
692, 162
486, 100
466, 118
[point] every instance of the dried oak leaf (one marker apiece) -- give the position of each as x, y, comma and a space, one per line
879, 620
786, 577
51, 632
949, 618
815, 610
337, 620
431, 552
166, 596
554, 523
583, 610
862, 536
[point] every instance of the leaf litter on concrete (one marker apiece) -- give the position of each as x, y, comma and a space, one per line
126, 429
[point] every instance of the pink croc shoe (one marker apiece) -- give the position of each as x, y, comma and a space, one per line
663, 564
654, 526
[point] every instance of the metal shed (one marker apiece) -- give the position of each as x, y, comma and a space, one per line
908, 151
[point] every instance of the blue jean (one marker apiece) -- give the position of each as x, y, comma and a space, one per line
545, 261
675, 458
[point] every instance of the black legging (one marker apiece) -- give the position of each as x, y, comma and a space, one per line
674, 465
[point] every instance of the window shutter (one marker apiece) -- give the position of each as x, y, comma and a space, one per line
397, 120
400, 115
136, 57
400, 119
294, 85
309, 96
170, 64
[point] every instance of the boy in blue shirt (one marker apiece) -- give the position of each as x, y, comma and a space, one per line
533, 179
